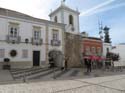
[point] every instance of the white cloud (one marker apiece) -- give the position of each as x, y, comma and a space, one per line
91, 10
106, 9
36, 8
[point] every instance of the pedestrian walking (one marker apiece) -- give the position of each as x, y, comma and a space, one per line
66, 63
85, 61
89, 68
63, 63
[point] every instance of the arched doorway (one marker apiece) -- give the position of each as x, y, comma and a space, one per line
57, 56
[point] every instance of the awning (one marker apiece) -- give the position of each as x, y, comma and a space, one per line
96, 58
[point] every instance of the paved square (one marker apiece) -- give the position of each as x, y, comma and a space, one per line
109, 84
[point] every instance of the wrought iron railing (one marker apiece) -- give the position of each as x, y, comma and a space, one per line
13, 39
55, 42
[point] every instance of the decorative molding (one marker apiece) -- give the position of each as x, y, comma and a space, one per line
13, 23
36, 27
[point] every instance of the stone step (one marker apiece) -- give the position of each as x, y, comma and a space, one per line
32, 75
29, 72
26, 70
43, 74
18, 76
62, 73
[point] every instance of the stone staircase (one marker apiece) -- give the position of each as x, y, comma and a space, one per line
42, 73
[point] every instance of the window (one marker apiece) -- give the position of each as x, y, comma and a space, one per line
99, 51
24, 53
93, 50
55, 35
71, 20
55, 19
2, 53
87, 50
13, 30
37, 33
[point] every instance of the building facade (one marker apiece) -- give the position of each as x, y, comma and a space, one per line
72, 43
67, 16
26, 40
120, 50
92, 46
107, 47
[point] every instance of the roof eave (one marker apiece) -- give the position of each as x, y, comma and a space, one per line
63, 7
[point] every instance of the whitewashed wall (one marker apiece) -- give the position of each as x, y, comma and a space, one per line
120, 49
63, 17
26, 32
51, 27
76, 21
59, 17
105, 46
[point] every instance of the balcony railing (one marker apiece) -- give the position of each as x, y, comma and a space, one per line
13, 39
37, 41
55, 42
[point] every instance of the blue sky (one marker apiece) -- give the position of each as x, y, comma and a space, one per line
110, 12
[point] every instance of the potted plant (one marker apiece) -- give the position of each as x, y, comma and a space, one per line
6, 64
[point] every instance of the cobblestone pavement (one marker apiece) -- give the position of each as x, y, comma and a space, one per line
48, 74
5, 75
75, 80
109, 84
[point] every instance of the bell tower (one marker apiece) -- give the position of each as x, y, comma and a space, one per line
70, 17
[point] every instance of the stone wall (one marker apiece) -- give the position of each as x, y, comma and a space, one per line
73, 49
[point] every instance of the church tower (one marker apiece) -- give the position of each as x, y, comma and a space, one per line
68, 16
72, 43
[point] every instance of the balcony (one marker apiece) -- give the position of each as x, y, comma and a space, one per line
12, 39
37, 41
55, 42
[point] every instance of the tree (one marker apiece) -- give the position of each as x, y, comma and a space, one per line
106, 37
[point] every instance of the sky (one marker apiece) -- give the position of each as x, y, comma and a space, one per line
110, 12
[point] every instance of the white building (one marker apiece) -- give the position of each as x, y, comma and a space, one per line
26, 40
68, 16
107, 47
120, 49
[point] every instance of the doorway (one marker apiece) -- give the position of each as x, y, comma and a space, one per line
36, 58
